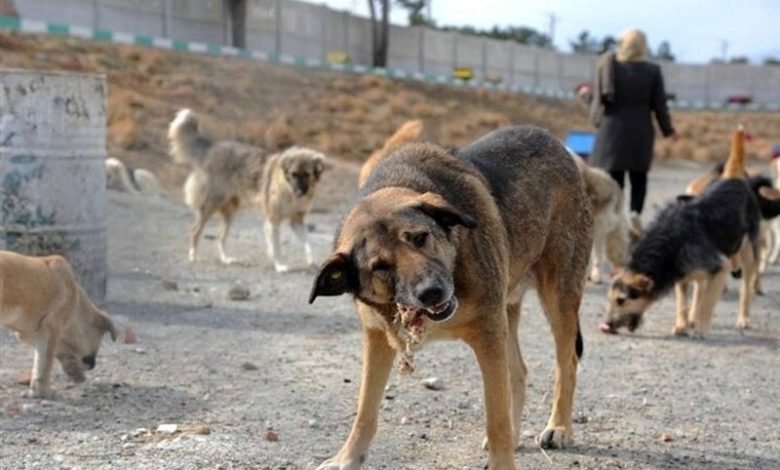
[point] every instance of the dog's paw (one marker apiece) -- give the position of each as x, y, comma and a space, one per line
554, 438
191, 256
515, 436
38, 390
697, 334
281, 268
595, 276
678, 330
228, 260
743, 324
336, 463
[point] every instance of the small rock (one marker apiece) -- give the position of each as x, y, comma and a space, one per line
198, 429
167, 284
580, 418
139, 351
271, 436
24, 377
314, 424
27, 407
248, 366
138, 432
665, 437
238, 292
128, 445
529, 434
167, 428
404, 420
433, 383
128, 336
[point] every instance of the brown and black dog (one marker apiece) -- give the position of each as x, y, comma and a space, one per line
443, 246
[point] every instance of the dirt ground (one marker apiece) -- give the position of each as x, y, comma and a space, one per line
236, 369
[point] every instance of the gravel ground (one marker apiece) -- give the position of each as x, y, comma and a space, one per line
226, 372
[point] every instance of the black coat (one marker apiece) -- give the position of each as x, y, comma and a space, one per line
625, 137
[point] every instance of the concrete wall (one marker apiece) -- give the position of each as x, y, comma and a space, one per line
312, 31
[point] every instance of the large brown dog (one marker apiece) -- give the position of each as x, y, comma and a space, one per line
410, 131
43, 303
443, 246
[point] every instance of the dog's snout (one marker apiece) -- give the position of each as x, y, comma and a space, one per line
432, 295
89, 361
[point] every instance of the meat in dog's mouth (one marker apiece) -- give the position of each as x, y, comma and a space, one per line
437, 313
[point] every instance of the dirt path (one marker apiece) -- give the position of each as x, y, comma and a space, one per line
716, 399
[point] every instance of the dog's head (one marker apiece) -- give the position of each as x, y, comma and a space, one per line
629, 295
302, 169
80, 340
397, 246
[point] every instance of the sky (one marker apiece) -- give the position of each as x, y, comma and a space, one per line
698, 30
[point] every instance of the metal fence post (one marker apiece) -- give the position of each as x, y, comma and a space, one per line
454, 50
95, 15
483, 59
511, 78
166, 23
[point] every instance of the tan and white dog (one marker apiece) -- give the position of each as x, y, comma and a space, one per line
43, 303
227, 175
611, 233
120, 177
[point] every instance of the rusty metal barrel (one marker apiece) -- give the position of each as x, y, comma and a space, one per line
52, 169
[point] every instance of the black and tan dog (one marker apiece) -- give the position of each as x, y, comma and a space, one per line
694, 239
443, 247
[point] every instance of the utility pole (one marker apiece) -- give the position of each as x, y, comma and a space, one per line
724, 49
553, 19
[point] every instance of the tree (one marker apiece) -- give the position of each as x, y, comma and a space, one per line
380, 31
774, 61
664, 52
415, 7
739, 60
587, 44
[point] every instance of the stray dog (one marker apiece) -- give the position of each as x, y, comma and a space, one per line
444, 246
121, 177
611, 234
767, 196
228, 174
409, 132
43, 303
694, 239
774, 245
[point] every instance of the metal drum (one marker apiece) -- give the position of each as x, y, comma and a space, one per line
52, 169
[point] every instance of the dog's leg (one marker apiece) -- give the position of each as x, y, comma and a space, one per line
201, 217
712, 293
681, 294
517, 369
695, 318
492, 349
377, 362
297, 225
272, 244
775, 231
228, 213
750, 271
40, 382
598, 252
561, 303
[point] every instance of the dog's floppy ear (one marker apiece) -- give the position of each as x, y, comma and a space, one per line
443, 212
642, 283
319, 164
336, 276
105, 325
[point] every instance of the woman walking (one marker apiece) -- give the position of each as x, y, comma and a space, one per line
628, 91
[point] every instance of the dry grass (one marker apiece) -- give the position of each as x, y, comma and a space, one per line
346, 116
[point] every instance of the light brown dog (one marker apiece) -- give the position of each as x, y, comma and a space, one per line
409, 132
443, 246
43, 303
227, 175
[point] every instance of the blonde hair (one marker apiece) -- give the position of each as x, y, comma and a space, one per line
632, 46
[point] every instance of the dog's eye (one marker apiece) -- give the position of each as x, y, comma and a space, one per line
419, 239
381, 266
632, 294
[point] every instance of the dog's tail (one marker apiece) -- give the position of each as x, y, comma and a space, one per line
409, 132
187, 144
735, 165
